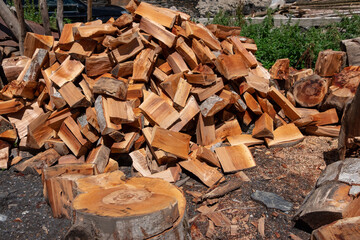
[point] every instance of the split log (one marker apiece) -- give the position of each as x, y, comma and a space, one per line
252, 104
246, 139
67, 72
325, 131
7, 131
346, 229
111, 87
235, 158
143, 65
159, 15
284, 103
177, 63
190, 110
38, 131
295, 75
129, 50
186, 52
58, 145
324, 118
201, 93
352, 47
123, 21
285, 136
34, 41
310, 91
182, 93
205, 130
280, 70
155, 206
263, 127
123, 69
212, 105
330, 62
91, 31
73, 96
4, 154
231, 66
239, 48
13, 66
100, 157
203, 52
229, 128
201, 32
125, 145
158, 31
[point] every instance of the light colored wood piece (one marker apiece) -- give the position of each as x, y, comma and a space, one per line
205, 131
285, 136
159, 15
264, 127
252, 104
246, 139
284, 103
182, 93
67, 72
229, 128
100, 157
190, 110
73, 96
200, 31
177, 63
235, 158
231, 66
157, 31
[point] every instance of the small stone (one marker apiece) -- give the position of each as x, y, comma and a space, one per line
330, 173
272, 200
3, 218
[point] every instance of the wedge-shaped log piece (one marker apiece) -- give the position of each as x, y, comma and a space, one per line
140, 162
39, 132
100, 157
172, 174
202, 51
125, 145
172, 142
67, 36
202, 93
70, 134
201, 78
35, 164
289, 110
208, 175
57, 117
177, 63
157, 31
123, 69
34, 41
4, 154
206, 155
212, 105
143, 65
98, 64
231, 66
82, 49
7, 131
246, 139
159, 15
330, 62
112, 87
187, 53
135, 91
182, 93
239, 48
264, 127
346, 229
325, 131
73, 96
58, 145
22, 118
280, 70
13, 66
102, 116
160, 75
324, 118
129, 50
10, 106
120, 111
266, 107
252, 104
260, 84
171, 83
190, 110
67, 72
123, 21
32, 69
153, 205
91, 31
222, 32
229, 128
235, 158
285, 136
86, 129
112, 166
310, 91
201, 32
324, 205
159, 111
205, 131
60, 187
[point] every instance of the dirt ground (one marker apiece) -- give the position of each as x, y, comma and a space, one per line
289, 172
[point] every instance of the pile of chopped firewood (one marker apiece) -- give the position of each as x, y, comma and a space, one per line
157, 90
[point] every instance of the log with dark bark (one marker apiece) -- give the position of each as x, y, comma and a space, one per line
9, 19
45, 16
21, 20
60, 15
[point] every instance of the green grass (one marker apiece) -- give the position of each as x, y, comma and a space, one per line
292, 42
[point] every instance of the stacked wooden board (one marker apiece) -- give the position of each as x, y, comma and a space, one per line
151, 87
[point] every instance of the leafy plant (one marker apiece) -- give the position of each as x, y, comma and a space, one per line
292, 41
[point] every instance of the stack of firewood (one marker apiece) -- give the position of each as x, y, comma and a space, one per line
157, 89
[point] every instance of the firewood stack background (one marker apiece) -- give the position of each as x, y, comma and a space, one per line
159, 91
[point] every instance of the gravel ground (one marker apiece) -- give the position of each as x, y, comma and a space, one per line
289, 172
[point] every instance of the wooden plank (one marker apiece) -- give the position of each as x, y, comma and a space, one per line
264, 127
190, 110
159, 15
246, 139
143, 65
231, 66
235, 158
157, 31
186, 52
182, 93
67, 72
172, 142
71, 135
284, 103
159, 111
205, 131
208, 175
285, 136
73, 96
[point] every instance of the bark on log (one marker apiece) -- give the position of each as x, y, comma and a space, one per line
60, 15
9, 19
21, 19
310, 91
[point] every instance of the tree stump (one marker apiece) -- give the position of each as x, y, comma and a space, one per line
310, 91
137, 208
